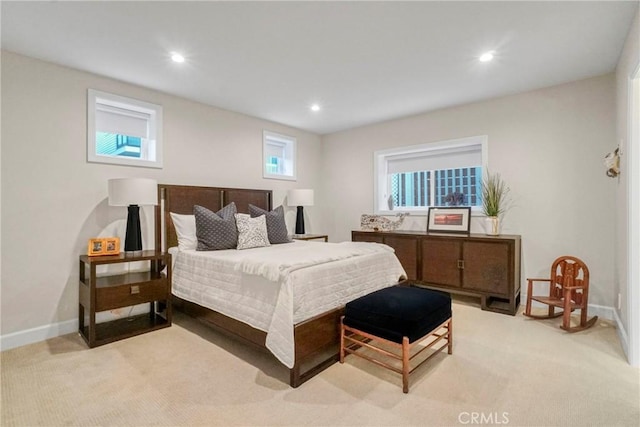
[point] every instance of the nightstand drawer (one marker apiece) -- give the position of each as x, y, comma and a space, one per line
110, 297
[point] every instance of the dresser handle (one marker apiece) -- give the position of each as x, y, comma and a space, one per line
461, 264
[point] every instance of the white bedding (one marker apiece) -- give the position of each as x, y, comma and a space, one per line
308, 278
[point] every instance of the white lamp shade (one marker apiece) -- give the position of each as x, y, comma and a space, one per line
133, 191
300, 197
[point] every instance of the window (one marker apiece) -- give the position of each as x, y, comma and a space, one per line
123, 131
446, 173
279, 156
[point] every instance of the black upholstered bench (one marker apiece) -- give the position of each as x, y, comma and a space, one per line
400, 317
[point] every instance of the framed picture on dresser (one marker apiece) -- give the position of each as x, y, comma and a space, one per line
449, 219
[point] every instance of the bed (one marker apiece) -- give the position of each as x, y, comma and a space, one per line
293, 310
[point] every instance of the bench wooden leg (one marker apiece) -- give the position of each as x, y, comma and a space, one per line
450, 336
342, 339
405, 364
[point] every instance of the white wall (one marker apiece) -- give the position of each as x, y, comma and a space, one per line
0, 195
547, 144
53, 201
627, 197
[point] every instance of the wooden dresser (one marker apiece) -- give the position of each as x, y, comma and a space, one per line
471, 264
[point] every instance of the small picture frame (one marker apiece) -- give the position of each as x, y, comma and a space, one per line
449, 220
95, 247
104, 246
111, 246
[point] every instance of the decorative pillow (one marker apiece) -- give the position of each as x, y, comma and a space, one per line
252, 232
276, 227
216, 230
185, 226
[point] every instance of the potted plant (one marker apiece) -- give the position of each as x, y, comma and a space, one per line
494, 201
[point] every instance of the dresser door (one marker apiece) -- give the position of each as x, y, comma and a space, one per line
487, 266
441, 261
407, 252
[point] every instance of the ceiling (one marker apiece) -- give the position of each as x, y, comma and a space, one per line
362, 62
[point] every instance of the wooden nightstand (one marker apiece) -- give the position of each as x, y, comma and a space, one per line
102, 293
310, 237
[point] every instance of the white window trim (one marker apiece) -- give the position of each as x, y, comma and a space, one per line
129, 104
287, 141
380, 170
633, 207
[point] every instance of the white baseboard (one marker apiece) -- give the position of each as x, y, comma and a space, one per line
622, 334
30, 336
601, 311
41, 333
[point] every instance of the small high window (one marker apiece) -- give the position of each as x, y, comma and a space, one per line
279, 156
446, 173
123, 131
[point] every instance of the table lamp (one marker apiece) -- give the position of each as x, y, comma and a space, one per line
133, 193
300, 198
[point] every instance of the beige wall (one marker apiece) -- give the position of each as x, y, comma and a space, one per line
629, 60
547, 144
53, 201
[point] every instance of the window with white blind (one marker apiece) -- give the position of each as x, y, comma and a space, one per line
123, 130
279, 156
445, 173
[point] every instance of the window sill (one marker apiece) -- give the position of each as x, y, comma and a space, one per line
475, 212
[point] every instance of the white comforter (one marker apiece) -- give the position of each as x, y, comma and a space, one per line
276, 287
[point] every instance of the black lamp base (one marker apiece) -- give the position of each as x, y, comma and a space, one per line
300, 221
133, 238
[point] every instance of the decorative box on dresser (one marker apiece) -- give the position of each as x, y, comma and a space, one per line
484, 266
109, 292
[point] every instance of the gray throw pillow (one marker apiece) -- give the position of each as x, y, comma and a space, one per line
216, 230
276, 227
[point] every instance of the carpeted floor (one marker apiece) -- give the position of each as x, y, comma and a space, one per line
505, 370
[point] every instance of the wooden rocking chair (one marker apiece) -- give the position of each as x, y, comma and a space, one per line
568, 289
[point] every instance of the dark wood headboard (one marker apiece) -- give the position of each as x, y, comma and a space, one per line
181, 198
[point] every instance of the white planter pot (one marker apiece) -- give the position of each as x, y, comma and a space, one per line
492, 225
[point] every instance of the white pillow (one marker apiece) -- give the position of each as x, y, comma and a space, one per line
252, 232
185, 226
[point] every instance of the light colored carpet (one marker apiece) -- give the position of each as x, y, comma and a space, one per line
505, 370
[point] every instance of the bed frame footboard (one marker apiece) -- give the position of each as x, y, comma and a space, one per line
317, 343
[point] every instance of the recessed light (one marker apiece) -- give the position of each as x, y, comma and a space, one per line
315, 107
176, 57
486, 57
